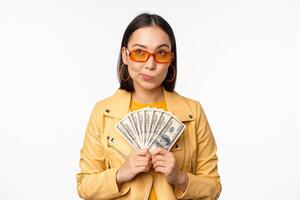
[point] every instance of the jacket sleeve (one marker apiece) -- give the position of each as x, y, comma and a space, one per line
204, 183
95, 181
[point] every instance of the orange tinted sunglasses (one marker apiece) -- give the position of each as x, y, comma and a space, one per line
160, 56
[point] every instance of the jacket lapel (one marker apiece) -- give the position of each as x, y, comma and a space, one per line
178, 105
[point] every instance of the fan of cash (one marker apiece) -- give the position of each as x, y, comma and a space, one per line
150, 128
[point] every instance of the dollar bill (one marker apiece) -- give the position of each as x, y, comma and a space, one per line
130, 130
134, 123
169, 135
158, 127
127, 136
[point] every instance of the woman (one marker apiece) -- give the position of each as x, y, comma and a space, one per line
110, 167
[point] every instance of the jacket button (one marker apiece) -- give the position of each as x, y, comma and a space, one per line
112, 140
191, 116
107, 110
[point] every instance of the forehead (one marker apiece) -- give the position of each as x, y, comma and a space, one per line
151, 37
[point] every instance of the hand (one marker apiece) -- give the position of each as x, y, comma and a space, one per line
163, 161
137, 162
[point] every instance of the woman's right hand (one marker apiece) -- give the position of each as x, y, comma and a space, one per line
139, 161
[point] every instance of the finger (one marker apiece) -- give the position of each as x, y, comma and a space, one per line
158, 158
160, 150
141, 163
142, 158
159, 164
149, 166
145, 154
142, 152
148, 155
160, 169
155, 152
142, 169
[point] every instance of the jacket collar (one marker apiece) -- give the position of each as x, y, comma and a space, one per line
119, 105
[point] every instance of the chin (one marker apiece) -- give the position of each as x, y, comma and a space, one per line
149, 86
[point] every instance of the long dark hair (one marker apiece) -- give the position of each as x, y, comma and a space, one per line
140, 21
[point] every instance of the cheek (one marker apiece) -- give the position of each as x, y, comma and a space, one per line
134, 67
164, 70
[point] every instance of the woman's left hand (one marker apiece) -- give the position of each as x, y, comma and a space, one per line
163, 161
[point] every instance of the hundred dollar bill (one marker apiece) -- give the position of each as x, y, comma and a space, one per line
159, 126
154, 121
130, 129
148, 120
129, 138
141, 124
168, 136
135, 124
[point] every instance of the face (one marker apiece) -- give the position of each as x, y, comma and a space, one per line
147, 75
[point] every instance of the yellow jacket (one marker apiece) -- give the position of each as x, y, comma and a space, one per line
105, 150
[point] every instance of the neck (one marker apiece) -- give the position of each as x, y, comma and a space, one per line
148, 96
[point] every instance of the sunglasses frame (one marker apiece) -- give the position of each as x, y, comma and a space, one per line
150, 54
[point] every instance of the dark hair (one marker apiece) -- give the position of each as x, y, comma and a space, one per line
140, 21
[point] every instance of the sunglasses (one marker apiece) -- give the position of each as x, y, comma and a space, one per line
160, 56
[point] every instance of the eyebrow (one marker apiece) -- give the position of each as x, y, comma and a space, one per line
140, 45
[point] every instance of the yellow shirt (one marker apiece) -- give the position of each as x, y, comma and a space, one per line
135, 106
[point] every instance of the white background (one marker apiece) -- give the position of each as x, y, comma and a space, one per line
240, 59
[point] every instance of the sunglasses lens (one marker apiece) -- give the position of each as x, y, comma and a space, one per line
163, 57
139, 55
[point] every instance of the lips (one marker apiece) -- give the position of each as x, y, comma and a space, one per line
147, 77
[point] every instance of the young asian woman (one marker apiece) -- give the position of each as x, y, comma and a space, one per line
110, 167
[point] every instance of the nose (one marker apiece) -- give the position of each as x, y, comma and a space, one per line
150, 64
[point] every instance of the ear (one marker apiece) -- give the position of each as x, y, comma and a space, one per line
124, 55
